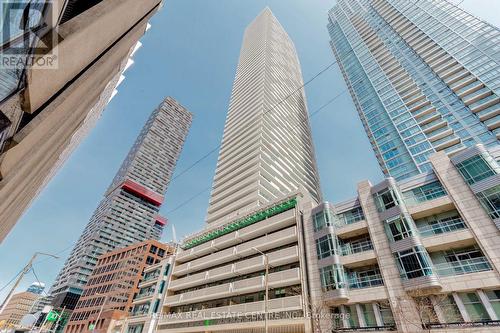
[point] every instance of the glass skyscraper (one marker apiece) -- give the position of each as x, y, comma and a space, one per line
424, 76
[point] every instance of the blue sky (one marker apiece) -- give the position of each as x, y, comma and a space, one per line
191, 54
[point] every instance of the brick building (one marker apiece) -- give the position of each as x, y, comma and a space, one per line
113, 284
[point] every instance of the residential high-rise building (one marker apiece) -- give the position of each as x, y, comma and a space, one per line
61, 64
266, 177
17, 307
36, 288
267, 149
424, 76
109, 294
129, 212
419, 255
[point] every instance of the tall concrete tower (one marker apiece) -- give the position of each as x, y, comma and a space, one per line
129, 211
423, 76
267, 149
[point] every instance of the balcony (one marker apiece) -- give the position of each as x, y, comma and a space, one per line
276, 280
365, 281
356, 247
441, 226
439, 134
274, 305
468, 86
432, 126
424, 193
461, 267
460, 75
477, 95
273, 240
493, 123
464, 81
489, 113
450, 71
276, 258
484, 103
265, 226
446, 142
424, 111
429, 118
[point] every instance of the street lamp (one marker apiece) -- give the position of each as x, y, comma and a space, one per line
266, 261
25, 270
100, 311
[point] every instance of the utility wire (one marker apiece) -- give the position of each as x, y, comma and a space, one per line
201, 159
12, 280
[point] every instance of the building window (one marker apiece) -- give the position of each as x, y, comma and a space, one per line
322, 219
332, 277
494, 297
352, 216
399, 228
450, 309
424, 193
326, 246
385, 199
352, 316
386, 314
490, 199
474, 307
368, 314
475, 169
413, 263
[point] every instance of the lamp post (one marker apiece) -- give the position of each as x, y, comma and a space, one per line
100, 311
25, 270
266, 262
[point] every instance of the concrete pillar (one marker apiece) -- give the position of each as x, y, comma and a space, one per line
361, 318
461, 307
405, 314
378, 315
486, 302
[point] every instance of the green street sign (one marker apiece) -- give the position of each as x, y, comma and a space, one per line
52, 316
91, 327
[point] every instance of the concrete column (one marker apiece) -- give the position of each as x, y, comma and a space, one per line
378, 315
461, 307
486, 302
361, 318
405, 314
439, 311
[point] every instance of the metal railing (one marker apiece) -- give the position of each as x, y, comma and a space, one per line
415, 197
441, 226
365, 281
356, 247
461, 267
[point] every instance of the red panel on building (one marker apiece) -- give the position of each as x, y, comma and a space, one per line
161, 220
142, 192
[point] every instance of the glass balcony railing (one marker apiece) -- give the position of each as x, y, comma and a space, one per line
151, 277
424, 193
481, 92
436, 122
441, 227
367, 281
356, 247
446, 139
484, 103
461, 267
438, 131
